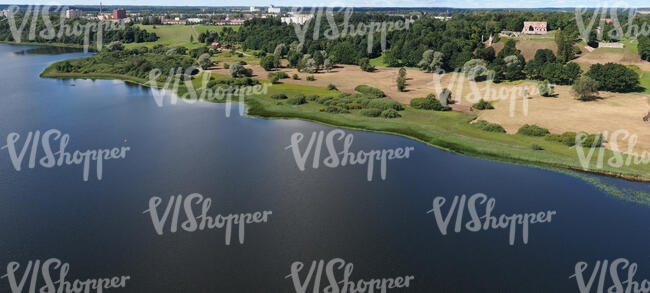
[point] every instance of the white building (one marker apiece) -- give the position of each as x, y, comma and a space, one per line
443, 18
195, 20
299, 18
253, 9
72, 13
274, 10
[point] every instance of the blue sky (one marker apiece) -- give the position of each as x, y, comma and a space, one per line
358, 3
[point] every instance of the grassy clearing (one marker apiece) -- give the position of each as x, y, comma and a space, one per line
379, 61
175, 35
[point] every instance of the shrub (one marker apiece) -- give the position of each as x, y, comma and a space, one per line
323, 100
490, 127
226, 66
334, 109
482, 105
532, 130
353, 106
369, 91
567, 138
312, 98
296, 77
428, 103
274, 79
331, 87
592, 140
310, 78
390, 113
384, 104
299, 99
545, 88
364, 63
372, 112
279, 97
537, 147
401, 83
585, 88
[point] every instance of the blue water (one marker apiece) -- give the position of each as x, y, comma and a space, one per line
241, 163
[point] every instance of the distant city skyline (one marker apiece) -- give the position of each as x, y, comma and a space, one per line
358, 3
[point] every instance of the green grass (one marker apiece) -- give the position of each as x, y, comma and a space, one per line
379, 61
174, 35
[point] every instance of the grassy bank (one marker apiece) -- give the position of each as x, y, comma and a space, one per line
450, 131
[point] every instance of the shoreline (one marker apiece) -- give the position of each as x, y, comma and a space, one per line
258, 110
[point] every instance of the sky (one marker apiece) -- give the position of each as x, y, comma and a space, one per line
355, 3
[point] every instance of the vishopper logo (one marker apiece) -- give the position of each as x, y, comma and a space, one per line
603, 14
52, 267
343, 156
621, 271
182, 77
338, 273
619, 158
336, 31
64, 29
486, 90
487, 221
199, 220
57, 158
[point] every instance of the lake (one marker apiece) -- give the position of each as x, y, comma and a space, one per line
385, 228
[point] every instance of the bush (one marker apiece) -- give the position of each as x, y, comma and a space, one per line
592, 140
353, 106
390, 113
483, 105
274, 79
299, 99
401, 83
428, 103
364, 63
323, 100
567, 138
310, 78
226, 66
546, 89
490, 127
296, 77
372, 112
369, 91
312, 98
279, 97
331, 87
279, 74
334, 109
532, 130
384, 104
537, 147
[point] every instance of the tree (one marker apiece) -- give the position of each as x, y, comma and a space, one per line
614, 77
585, 88
115, 46
644, 47
293, 57
204, 61
486, 54
327, 65
564, 42
402, 72
431, 61
474, 69
269, 62
364, 63
401, 83
237, 70
280, 50
391, 58
545, 88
